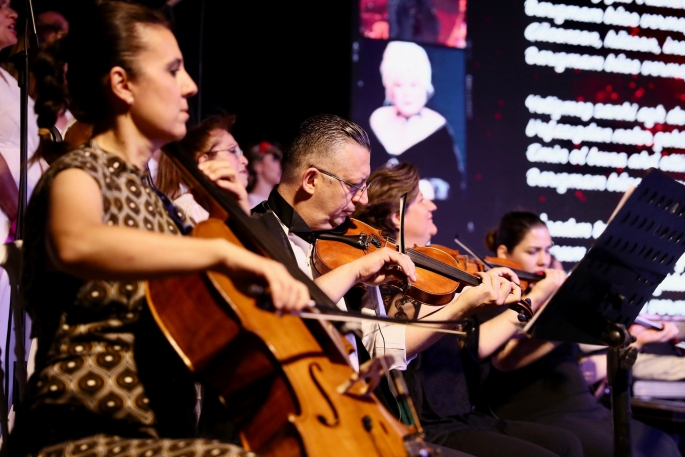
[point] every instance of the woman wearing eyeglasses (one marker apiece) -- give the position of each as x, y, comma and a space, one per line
212, 146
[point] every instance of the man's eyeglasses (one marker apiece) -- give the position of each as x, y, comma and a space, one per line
357, 188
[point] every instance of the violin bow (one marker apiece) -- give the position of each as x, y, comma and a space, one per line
404, 400
471, 252
325, 314
400, 232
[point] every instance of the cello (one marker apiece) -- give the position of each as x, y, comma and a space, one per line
278, 376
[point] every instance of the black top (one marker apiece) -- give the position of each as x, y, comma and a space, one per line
443, 381
435, 157
552, 384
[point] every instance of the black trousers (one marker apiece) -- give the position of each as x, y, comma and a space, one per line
508, 438
598, 438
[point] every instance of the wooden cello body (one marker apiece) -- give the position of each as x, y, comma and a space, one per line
277, 375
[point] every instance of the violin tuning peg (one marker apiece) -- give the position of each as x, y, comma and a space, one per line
522, 317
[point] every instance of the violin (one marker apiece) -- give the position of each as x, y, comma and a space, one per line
464, 262
472, 265
439, 276
677, 344
527, 278
279, 376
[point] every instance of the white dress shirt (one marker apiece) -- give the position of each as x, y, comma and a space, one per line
378, 338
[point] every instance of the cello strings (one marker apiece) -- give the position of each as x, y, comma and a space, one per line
388, 321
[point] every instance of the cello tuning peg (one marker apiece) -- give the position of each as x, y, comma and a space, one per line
256, 290
261, 294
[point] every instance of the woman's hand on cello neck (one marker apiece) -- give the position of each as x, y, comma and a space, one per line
286, 293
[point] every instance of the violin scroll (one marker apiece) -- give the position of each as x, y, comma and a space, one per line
524, 309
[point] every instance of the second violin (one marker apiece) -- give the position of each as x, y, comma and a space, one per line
475, 263
439, 274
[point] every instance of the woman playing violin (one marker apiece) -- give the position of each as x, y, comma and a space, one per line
540, 381
106, 379
443, 377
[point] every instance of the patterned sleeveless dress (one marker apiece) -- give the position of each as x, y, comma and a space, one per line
106, 382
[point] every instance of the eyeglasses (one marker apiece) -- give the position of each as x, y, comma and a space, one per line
357, 188
233, 150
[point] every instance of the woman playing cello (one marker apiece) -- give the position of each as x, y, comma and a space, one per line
106, 379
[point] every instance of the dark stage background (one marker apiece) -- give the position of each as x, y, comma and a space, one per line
272, 63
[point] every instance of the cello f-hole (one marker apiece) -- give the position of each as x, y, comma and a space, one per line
320, 417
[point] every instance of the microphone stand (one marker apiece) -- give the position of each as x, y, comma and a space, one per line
17, 315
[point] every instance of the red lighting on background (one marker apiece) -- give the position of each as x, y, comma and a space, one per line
608, 88
500, 102
632, 85
498, 116
542, 199
614, 95
580, 99
580, 196
478, 176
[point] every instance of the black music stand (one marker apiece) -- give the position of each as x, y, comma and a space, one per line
609, 286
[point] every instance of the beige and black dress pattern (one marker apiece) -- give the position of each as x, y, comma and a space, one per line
107, 382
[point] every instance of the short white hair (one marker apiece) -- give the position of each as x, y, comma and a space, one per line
401, 57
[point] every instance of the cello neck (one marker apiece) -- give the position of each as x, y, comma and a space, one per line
251, 233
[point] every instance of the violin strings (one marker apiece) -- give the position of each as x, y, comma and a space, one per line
447, 270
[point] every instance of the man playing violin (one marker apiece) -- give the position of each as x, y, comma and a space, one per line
443, 379
325, 178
